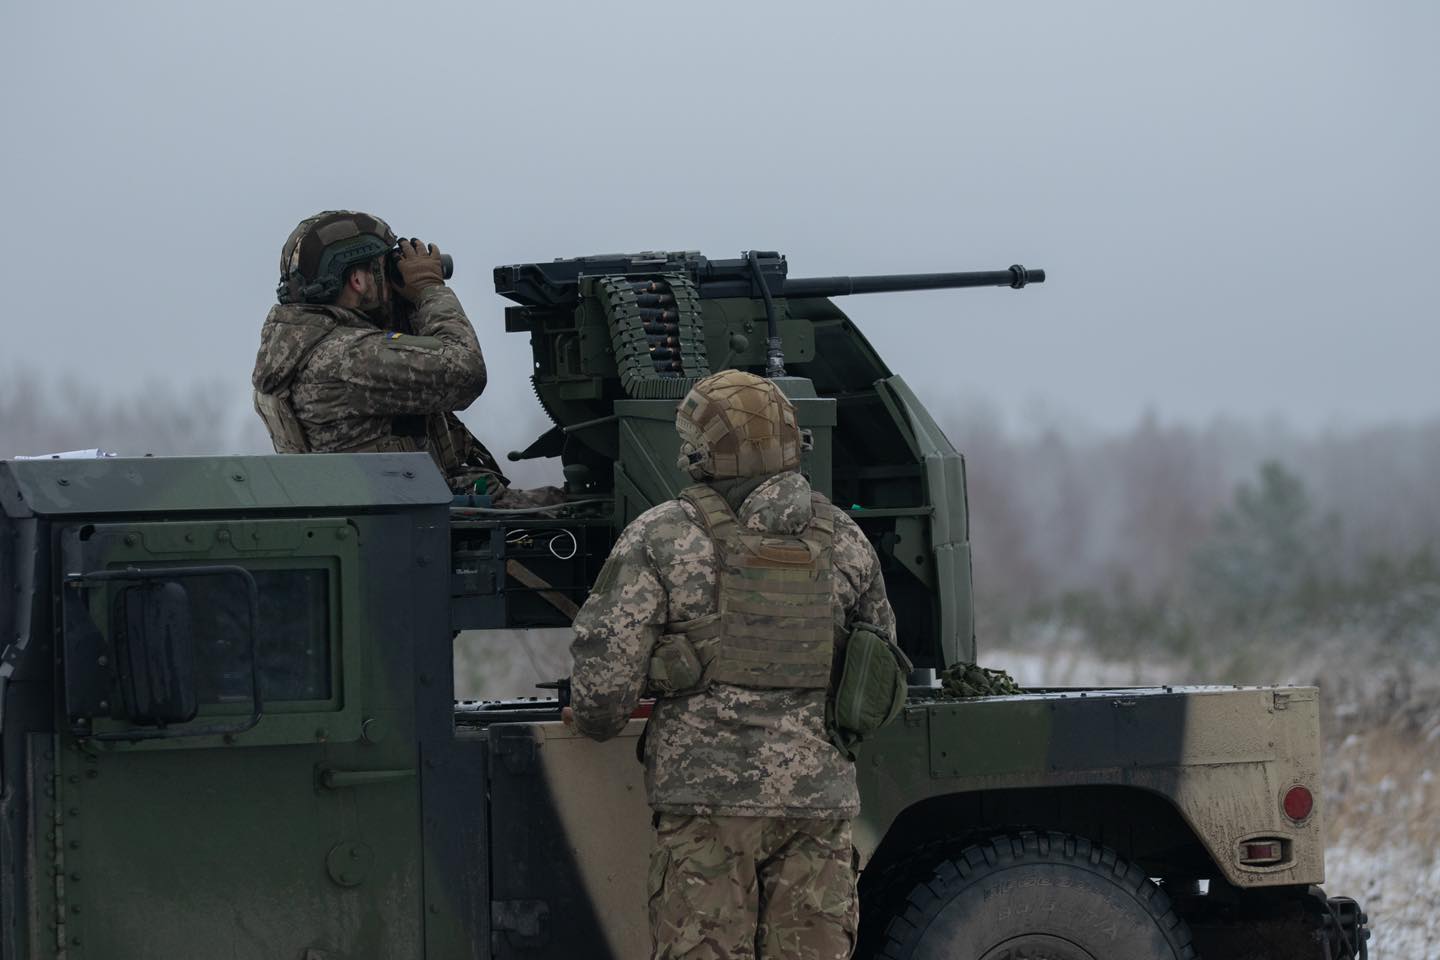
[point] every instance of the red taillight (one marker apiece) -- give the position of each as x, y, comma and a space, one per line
1260, 852
1299, 802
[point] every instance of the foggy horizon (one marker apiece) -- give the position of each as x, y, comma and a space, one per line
1228, 201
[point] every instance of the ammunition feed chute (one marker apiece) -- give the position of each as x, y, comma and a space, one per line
657, 333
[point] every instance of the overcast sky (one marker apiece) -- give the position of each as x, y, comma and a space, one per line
1236, 202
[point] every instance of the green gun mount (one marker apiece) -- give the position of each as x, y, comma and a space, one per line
618, 340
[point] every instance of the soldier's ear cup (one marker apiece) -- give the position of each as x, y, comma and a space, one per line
693, 460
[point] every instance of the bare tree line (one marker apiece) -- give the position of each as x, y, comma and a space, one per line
40, 415
1052, 513
1228, 536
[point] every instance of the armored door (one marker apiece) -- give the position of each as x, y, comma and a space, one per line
275, 816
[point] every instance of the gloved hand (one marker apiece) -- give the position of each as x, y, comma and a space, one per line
419, 267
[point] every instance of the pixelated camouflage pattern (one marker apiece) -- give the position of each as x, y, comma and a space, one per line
735, 424
355, 387
349, 380
730, 750
752, 888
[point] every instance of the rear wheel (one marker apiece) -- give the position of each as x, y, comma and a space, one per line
1035, 896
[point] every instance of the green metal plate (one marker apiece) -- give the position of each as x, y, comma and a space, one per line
219, 484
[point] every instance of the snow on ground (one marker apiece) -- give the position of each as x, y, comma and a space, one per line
1384, 825
1397, 886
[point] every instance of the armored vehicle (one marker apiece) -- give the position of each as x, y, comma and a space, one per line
229, 726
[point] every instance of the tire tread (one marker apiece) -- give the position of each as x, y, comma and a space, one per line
912, 915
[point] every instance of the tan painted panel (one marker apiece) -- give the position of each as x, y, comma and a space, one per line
599, 791
1230, 726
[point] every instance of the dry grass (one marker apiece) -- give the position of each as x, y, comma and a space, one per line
1383, 802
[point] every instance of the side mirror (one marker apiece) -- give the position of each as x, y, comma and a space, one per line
154, 646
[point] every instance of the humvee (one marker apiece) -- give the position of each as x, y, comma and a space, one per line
229, 725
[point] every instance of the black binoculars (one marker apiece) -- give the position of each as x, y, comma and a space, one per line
447, 265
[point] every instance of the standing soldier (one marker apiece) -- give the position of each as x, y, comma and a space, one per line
726, 605
342, 370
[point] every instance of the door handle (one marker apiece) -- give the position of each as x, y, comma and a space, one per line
332, 778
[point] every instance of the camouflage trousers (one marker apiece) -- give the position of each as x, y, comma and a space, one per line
752, 888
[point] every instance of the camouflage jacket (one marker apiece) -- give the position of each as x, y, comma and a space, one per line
730, 750
355, 387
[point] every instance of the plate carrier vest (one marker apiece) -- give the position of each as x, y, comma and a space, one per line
775, 618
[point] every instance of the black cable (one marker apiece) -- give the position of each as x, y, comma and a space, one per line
774, 353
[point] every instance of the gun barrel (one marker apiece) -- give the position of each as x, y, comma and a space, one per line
556, 283
1017, 277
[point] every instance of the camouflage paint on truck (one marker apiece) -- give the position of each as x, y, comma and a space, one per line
1168, 776
304, 830
370, 822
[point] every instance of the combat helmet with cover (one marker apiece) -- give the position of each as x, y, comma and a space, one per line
322, 247
734, 424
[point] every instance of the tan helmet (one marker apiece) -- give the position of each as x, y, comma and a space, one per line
321, 248
735, 424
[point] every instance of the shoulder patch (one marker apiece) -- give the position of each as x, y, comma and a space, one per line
410, 341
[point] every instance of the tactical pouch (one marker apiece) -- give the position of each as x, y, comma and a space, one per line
873, 684
285, 431
681, 661
674, 666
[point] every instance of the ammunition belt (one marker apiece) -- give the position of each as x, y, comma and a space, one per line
961, 680
656, 332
